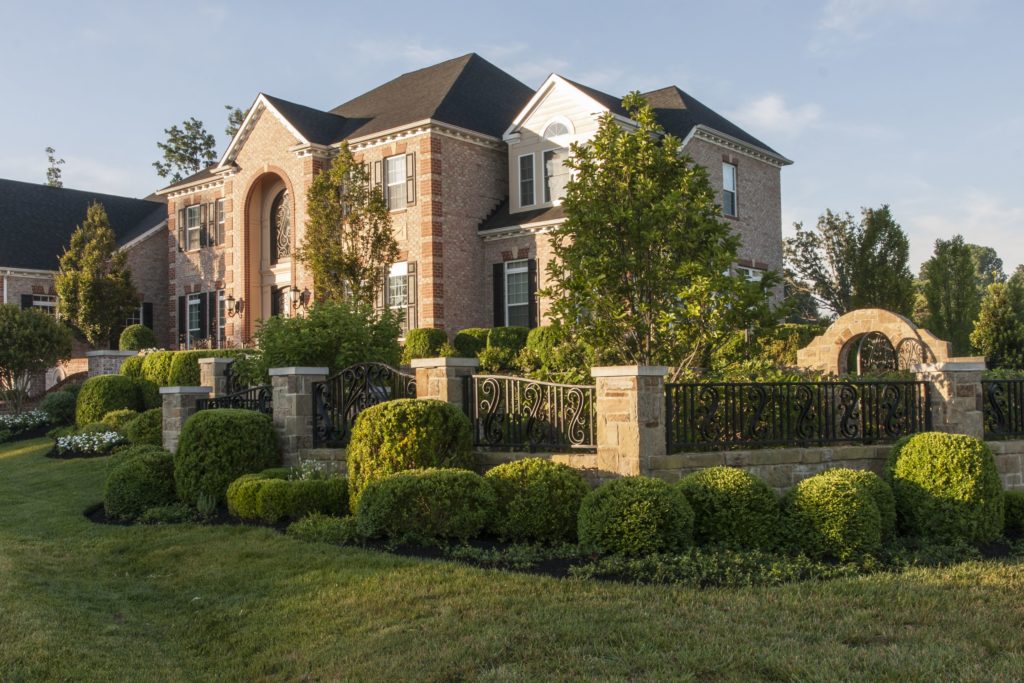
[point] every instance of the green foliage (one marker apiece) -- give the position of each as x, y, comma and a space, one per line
117, 419
471, 341
187, 150
998, 332
426, 505
833, 515
94, 428
146, 429
129, 452
156, 367
332, 334
30, 342
635, 516
60, 406
551, 355
106, 393
236, 117
319, 528
538, 500
270, 498
1014, 518
988, 267
503, 346
150, 394
885, 501
132, 367
94, 285
732, 508
176, 513
136, 337
139, 483
53, 170
218, 446
948, 282
423, 342
184, 367
405, 434
947, 488
348, 241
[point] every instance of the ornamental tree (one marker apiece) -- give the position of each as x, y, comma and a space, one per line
30, 342
642, 260
998, 332
348, 241
94, 287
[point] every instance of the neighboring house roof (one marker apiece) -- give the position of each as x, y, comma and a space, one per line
36, 221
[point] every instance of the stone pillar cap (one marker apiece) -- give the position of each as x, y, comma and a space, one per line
629, 371
216, 360
962, 364
110, 352
286, 372
185, 390
451, 362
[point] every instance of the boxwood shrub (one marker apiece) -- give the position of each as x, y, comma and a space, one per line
882, 494
132, 367
635, 516
318, 528
60, 406
732, 508
156, 367
512, 339
184, 367
471, 341
833, 515
138, 483
423, 342
149, 393
146, 428
117, 419
136, 337
947, 488
103, 394
271, 498
405, 434
1014, 525
217, 446
426, 505
538, 500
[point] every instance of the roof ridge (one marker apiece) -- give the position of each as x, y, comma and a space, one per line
46, 187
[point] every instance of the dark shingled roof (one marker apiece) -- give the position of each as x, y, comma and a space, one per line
501, 218
199, 175
319, 127
36, 221
468, 92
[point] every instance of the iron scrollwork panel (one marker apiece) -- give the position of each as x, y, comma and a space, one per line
338, 401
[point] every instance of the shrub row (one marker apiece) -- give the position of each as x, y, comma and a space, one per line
271, 497
108, 393
175, 368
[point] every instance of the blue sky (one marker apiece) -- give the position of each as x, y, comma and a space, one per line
914, 103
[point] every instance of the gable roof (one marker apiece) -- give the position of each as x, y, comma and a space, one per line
317, 127
36, 221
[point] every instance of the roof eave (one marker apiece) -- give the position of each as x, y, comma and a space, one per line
707, 133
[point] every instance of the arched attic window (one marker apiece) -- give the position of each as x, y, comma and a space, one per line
556, 128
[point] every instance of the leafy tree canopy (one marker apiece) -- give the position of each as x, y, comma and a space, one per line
998, 332
53, 169
30, 342
187, 150
949, 286
235, 118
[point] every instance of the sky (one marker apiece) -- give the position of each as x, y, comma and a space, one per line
918, 104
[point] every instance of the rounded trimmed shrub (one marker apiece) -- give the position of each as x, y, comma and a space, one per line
149, 393
156, 367
140, 482
947, 488
512, 339
94, 428
732, 508
103, 394
635, 516
405, 434
833, 514
1014, 525
117, 419
271, 498
136, 337
423, 342
538, 500
471, 341
60, 406
146, 428
882, 494
217, 446
132, 367
426, 505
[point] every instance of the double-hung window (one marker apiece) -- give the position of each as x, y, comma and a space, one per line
517, 293
47, 303
195, 318
193, 228
222, 318
135, 317
554, 174
526, 191
394, 186
398, 286
218, 234
729, 189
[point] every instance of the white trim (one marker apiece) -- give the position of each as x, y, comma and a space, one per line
521, 266
297, 370
200, 185
506, 232
558, 118
162, 225
542, 92
249, 123
28, 272
629, 371
722, 140
519, 179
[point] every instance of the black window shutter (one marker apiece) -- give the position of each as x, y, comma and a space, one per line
531, 280
411, 320
202, 316
147, 314
410, 178
212, 309
499, 294
203, 226
275, 302
181, 230
26, 301
182, 318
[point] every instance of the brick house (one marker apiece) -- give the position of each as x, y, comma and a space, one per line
470, 163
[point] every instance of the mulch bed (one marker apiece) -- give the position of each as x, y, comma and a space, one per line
74, 455
34, 433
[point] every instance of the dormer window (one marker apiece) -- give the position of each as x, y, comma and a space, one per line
555, 129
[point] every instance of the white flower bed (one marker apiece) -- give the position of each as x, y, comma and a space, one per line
96, 443
24, 421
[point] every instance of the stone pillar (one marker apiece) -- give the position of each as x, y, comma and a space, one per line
443, 379
955, 393
293, 409
179, 404
107, 362
213, 373
630, 410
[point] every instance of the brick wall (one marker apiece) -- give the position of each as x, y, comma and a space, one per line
148, 262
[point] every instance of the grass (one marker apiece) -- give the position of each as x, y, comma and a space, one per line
82, 602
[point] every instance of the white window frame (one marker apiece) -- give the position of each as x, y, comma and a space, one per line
750, 273
135, 318
549, 196
730, 172
517, 267
222, 318
195, 210
47, 303
399, 271
219, 223
532, 182
193, 299
402, 181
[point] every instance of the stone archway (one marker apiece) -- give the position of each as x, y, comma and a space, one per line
908, 344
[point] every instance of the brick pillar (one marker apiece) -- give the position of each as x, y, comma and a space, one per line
443, 379
293, 409
213, 373
107, 362
630, 409
955, 393
179, 404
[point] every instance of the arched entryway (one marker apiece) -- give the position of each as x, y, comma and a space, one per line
269, 248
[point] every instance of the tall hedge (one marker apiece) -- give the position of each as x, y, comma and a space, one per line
132, 367
103, 394
184, 368
156, 367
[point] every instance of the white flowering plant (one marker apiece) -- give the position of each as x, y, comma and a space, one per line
12, 426
87, 445
310, 469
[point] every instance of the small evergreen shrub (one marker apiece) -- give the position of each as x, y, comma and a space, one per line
184, 367
947, 488
511, 338
149, 393
272, 498
156, 367
1014, 525
103, 394
405, 434
732, 508
117, 419
216, 447
423, 342
136, 337
426, 505
538, 500
318, 528
132, 367
833, 515
60, 406
882, 494
130, 452
471, 341
139, 483
635, 516
146, 429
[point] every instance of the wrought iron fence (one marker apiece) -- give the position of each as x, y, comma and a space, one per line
339, 399
260, 399
513, 413
722, 416
1003, 408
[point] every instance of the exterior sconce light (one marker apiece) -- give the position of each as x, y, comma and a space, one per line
300, 299
234, 306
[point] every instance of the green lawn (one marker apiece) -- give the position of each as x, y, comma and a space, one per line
80, 602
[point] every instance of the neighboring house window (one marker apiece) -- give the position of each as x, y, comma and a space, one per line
394, 187
555, 174
555, 129
47, 303
752, 274
218, 234
729, 189
526, 192
517, 294
195, 321
280, 227
193, 226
